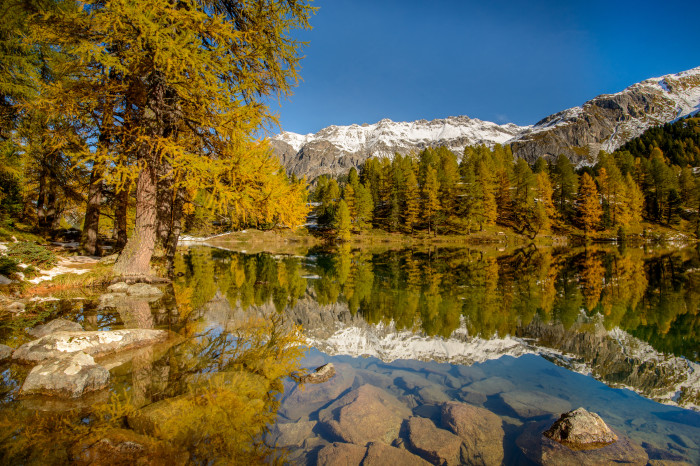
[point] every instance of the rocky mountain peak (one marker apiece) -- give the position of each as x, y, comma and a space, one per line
603, 123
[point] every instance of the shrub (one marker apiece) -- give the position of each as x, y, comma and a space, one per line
32, 254
8, 266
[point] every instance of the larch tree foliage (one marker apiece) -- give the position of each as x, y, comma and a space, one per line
589, 208
174, 91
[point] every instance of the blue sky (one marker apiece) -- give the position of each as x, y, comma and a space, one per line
498, 61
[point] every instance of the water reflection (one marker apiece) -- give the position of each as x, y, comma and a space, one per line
437, 323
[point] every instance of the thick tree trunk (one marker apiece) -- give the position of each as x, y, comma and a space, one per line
136, 257
51, 213
121, 213
91, 226
165, 199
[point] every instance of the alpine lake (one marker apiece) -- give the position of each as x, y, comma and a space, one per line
517, 336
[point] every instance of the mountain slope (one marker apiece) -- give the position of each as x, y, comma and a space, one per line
610, 120
605, 122
336, 149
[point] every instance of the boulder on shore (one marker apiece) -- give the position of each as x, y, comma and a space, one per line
581, 430
547, 452
96, 344
68, 376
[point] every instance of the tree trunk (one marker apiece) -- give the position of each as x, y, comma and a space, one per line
40, 212
91, 226
165, 197
136, 257
121, 213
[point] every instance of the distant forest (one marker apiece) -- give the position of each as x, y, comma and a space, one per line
650, 179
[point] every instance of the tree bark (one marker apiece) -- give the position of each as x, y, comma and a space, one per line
91, 226
136, 257
121, 213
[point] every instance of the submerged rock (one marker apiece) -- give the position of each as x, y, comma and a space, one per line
69, 377
481, 432
56, 325
366, 414
547, 452
96, 344
581, 430
341, 454
379, 454
438, 446
528, 404
291, 434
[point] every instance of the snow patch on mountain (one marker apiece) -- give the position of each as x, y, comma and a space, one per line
376, 138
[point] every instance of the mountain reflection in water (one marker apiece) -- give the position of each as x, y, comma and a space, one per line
433, 325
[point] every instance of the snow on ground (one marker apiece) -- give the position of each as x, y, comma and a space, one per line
66, 265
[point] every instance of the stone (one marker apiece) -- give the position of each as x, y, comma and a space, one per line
16, 307
96, 344
473, 398
412, 381
109, 260
436, 445
320, 375
70, 376
481, 432
341, 454
379, 454
581, 430
5, 352
56, 325
4, 280
492, 386
306, 399
123, 447
143, 290
433, 395
528, 404
291, 434
547, 452
374, 378
366, 414
120, 287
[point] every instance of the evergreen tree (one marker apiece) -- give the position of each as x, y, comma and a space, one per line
342, 223
589, 209
412, 207
431, 190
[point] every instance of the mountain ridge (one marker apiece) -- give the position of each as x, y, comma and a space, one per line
603, 123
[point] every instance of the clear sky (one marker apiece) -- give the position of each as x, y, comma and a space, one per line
502, 61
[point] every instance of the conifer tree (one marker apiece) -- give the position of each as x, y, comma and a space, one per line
342, 221
412, 207
589, 209
431, 190
189, 78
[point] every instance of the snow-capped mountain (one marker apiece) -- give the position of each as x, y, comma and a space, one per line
610, 120
337, 148
605, 122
